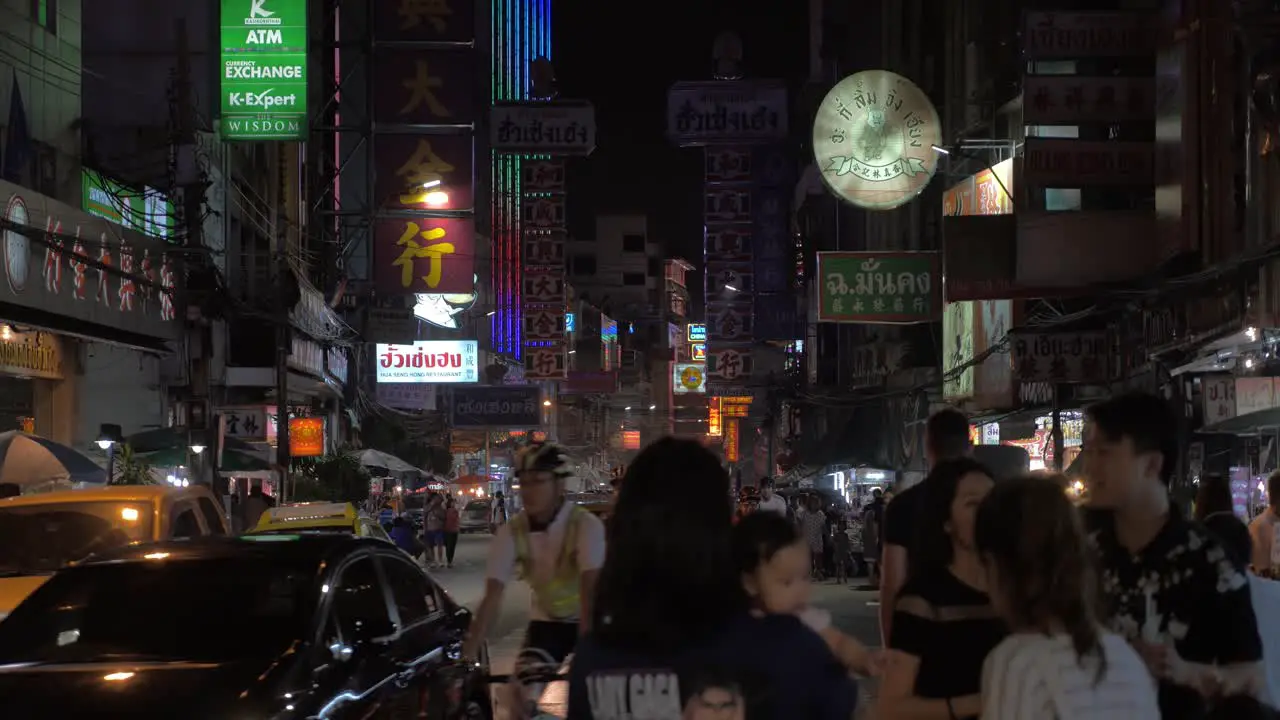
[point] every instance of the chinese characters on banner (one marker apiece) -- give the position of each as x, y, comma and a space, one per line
245, 423
730, 271
732, 451
424, 100
544, 294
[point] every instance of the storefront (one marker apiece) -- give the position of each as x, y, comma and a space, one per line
856, 485
87, 308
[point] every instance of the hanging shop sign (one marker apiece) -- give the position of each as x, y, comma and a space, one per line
1079, 357
988, 192
714, 417
727, 112
727, 165
688, 378
698, 352
423, 173
544, 248
1057, 162
1219, 395
498, 407
732, 449
543, 176
1255, 394
729, 365
263, 83
546, 363
424, 22
871, 287
696, 332
306, 437
565, 127
429, 361
62, 261
245, 423
544, 324
730, 323
874, 140
30, 354
407, 396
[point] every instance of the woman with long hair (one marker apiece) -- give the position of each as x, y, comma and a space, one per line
943, 623
1215, 509
1058, 662
671, 610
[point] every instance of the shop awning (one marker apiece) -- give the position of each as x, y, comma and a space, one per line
1247, 424
63, 325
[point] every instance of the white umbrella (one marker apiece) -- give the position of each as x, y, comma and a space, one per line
371, 458
33, 462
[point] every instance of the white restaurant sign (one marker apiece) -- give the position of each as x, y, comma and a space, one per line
1059, 163
429, 361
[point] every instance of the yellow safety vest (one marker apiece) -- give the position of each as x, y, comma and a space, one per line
558, 596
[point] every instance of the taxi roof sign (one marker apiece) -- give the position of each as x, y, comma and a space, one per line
311, 511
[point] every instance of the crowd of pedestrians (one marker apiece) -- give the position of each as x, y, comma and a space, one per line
1000, 598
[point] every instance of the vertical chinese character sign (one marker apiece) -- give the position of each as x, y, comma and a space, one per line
425, 99
545, 301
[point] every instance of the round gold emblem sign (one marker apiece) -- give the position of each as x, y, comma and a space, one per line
874, 138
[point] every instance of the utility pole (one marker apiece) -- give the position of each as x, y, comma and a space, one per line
284, 334
189, 179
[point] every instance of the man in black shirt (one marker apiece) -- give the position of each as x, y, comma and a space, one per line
1171, 588
946, 437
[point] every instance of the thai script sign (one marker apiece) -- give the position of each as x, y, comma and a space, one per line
62, 261
429, 361
726, 111
552, 128
1070, 99
1061, 357
148, 210
496, 407
1088, 34
875, 138
30, 355
263, 86
1054, 162
1219, 394
879, 287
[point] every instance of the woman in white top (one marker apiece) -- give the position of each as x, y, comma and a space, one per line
1058, 663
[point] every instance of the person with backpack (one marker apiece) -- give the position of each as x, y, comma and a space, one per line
872, 534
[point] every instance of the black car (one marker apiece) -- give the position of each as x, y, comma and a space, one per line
274, 626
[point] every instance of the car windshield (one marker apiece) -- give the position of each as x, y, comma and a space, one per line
207, 610
476, 507
36, 539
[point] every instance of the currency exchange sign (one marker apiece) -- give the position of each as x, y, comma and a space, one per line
879, 287
263, 87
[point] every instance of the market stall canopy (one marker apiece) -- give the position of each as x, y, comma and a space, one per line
177, 438
36, 463
233, 462
376, 459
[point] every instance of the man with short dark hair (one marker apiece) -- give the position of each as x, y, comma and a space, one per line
946, 437
1173, 590
1266, 551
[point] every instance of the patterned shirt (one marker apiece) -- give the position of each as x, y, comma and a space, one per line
1182, 589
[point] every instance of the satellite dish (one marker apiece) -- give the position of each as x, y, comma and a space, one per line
727, 53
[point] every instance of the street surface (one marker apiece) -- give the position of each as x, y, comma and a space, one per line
853, 611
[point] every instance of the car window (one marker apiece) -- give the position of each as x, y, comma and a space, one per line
412, 592
374, 530
142, 611
42, 538
184, 523
358, 600
212, 517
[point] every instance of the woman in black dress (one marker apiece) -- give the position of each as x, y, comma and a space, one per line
943, 622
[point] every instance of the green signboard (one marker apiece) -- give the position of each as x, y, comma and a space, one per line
148, 210
263, 87
879, 287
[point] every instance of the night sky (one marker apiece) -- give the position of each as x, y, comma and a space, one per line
623, 56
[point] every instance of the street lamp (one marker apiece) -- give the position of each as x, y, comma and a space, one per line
197, 449
108, 437
546, 403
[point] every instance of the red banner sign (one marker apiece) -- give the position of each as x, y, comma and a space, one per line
306, 437
427, 87
424, 172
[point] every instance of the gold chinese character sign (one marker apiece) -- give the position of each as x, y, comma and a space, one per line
425, 20
425, 87
424, 172
424, 255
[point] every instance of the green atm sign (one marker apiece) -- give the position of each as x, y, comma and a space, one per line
264, 70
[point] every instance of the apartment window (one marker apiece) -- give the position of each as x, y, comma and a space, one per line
633, 243
655, 267
583, 265
633, 278
45, 13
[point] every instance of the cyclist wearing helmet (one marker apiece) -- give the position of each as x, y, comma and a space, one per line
555, 546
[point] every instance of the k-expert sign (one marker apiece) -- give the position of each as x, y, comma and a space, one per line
264, 69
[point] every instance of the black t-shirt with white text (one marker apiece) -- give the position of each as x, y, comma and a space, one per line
1183, 588
773, 668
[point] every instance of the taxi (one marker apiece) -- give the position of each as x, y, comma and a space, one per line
44, 532
318, 517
